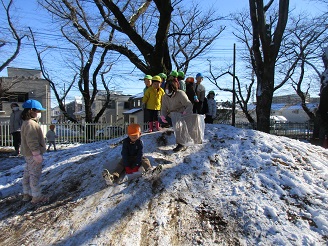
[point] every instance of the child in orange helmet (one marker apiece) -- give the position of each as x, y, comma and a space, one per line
132, 162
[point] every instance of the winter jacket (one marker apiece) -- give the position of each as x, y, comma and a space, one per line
178, 102
211, 107
132, 152
146, 88
190, 91
51, 136
182, 85
15, 121
32, 138
200, 91
153, 97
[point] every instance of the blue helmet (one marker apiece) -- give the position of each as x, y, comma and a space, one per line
199, 75
30, 103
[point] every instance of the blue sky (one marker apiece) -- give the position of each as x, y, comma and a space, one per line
29, 14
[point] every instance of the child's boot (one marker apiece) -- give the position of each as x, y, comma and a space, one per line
109, 178
150, 126
157, 126
26, 197
39, 200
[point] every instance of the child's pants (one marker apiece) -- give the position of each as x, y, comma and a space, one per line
145, 163
52, 143
31, 177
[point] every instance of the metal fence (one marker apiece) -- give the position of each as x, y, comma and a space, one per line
74, 132
91, 132
291, 130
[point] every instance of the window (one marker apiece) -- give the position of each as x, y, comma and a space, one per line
126, 105
15, 96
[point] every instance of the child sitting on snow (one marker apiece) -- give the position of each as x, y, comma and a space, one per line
133, 163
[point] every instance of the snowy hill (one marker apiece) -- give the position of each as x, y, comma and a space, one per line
240, 187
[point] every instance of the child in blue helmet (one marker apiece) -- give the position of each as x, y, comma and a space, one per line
32, 148
200, 93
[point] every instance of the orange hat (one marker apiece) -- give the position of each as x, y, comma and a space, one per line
190, 80
134, 129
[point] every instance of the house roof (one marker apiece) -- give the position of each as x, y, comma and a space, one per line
251, 107
278, 106
78, 99
311, 106
278, 118
132, 111
139, 95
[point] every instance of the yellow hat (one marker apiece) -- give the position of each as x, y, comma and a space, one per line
157, 78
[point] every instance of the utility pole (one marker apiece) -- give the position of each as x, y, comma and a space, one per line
234, 87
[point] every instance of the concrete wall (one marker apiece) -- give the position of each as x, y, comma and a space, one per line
33, 88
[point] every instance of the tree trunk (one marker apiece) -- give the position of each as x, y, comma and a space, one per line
265, 49
265, 88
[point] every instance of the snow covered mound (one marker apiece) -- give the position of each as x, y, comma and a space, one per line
240, 187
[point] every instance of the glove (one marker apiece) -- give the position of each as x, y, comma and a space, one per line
130, 170
196, 98
163, 119
38, 158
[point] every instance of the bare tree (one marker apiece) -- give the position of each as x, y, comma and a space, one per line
86, 76
5, 41
305, 40
142, 30
193, 33
15, 37
243, 95
123, 17
264, 52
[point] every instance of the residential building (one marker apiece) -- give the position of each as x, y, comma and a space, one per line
73, 109
135, 114
289, 99
288, 106
20, 85
113, 113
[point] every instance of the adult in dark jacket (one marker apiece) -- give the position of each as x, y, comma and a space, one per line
190, 90
15, 126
